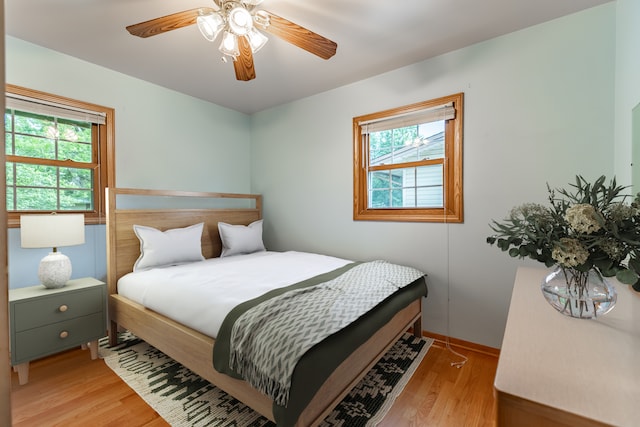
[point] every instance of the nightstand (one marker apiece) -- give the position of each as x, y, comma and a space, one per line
45, 321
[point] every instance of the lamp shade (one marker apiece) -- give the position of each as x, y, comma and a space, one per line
256, 39
51, 230
229, 44
210, 25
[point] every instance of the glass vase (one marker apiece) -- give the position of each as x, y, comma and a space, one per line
574, 293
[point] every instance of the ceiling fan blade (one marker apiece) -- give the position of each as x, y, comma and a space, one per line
167, 23
244, 62
301, 37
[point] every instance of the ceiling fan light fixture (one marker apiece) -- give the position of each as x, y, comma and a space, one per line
256, 39
240, 21
210, 25
229, 44
251, 2
261, 18
238, 24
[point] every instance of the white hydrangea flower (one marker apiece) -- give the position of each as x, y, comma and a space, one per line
613, 248
569, 252
583, 218
621, 212
532, 213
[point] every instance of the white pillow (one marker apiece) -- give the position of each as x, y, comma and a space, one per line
171, 247
241, 239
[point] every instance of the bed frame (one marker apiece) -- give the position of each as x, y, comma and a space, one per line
195, 350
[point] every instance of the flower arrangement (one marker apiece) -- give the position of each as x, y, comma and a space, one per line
591, 227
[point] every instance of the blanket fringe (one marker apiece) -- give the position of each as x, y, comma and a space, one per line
259, 379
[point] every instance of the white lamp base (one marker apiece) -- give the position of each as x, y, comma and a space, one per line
54, 270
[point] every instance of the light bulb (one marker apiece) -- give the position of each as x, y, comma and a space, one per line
240, 21
229, 44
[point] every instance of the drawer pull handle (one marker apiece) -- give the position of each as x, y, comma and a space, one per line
63, 308
64, 334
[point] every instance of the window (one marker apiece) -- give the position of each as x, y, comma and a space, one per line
59, 155
408, 163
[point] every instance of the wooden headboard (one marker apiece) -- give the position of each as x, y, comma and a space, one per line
123, 246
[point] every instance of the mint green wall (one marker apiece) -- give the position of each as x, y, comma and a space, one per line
627, 90
635, 148
538, 108
164, 140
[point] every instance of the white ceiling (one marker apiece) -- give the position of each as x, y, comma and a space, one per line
373, 36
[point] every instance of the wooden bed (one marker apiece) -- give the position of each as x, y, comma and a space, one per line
195, 350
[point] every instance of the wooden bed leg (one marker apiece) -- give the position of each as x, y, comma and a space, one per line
417, 328
113, 333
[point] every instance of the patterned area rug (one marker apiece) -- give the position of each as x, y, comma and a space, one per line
183, 399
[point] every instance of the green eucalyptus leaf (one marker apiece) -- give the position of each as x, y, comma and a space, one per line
627, 277
603, 264
584, 267
608, 273
514, 252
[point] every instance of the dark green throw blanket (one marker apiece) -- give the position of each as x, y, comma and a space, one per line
259, 318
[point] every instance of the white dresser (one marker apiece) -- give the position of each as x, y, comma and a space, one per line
559, 371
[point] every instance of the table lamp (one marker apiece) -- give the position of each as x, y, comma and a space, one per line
52, 231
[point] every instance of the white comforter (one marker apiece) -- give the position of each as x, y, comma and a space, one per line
200, 294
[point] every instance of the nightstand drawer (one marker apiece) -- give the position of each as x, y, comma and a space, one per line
56, 308
56, 337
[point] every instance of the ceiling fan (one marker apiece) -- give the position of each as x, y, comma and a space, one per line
238, 21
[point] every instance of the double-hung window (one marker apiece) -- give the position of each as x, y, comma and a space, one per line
408, 163
59, 154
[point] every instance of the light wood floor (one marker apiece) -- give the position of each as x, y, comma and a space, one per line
70, 389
